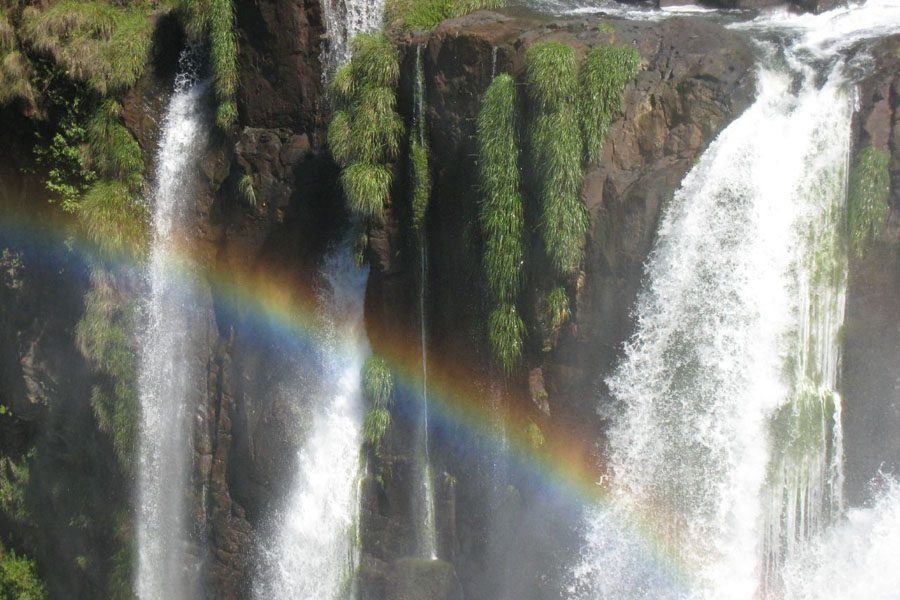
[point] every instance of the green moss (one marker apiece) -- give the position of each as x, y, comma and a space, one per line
427, 14
104, 337
365, 131
505, 334
378, 382
375, 425
870, 190
606, 72
103, 45
114, 151
535, 435
501, 212
18, 577
113, 220
245, 188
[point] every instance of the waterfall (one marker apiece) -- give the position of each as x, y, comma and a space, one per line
343, 20
313, 551
725, 445
428, 529
170, 372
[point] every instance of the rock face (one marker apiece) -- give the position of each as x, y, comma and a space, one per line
871, 384
695, 78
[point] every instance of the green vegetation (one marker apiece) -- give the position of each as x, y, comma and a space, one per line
16, 73
378, 386
102, 44
68, 169
552, 75
114, 153
505, 334
245, 187
214, 20
421, 183
501, 216
360, 239
103, 335
14, 479
18, 577
427, 14
113, 221
558, 311
365, 132
606, 72
870, 189
535, 435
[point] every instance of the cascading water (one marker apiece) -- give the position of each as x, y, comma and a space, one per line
343, 20
169, 371
428, 529
312, 555
725, 443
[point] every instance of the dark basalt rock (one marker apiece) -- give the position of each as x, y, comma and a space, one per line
871, 364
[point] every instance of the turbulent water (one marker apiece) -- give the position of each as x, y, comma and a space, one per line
725, 445
170, 374
346, 18
312, 555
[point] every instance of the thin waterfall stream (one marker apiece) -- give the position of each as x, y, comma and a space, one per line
169, 371
725, 437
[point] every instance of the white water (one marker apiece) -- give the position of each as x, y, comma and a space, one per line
343, 20
724, 456
170, 374
312, 554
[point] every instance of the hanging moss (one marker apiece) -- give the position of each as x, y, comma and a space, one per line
18, 577
365, 131
505, 334
606, 72
103, 45
427, 14
113, 150
870, 190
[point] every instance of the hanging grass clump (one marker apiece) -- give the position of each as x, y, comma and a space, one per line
365, 130
606, 72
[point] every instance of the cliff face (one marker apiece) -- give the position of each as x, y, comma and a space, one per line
695, 77
871, 384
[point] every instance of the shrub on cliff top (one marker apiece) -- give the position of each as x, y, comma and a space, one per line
427, 14
103, 45
606, 72
870, 190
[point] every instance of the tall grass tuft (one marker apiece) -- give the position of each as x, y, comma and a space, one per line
114, 153
378, 381
103, 45
246, 190
16, 73
556, 149
103, 335
505, 334
423, 15
113, 220
365, 130
558, 311
870, 190
606, 72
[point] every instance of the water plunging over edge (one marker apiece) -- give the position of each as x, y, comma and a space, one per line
170, 371
314, 550
344, 19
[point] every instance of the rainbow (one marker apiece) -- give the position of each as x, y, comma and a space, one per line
562, 463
